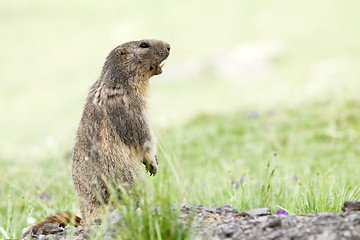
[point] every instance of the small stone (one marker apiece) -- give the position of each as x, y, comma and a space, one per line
50, 228
43, 237
274, 235
354, 218
114, 217
258, 212
25, 232
174, 206
347, 234
327, 235
262, 219
351, 206
209, 209
273, 224
228, 231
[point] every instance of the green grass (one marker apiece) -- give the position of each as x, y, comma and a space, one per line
287, 138
225, 148
202, 162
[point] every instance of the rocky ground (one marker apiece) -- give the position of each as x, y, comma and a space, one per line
226, 223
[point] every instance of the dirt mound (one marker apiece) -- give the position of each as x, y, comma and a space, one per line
227, 223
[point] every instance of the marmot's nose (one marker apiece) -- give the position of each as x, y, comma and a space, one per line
167, 47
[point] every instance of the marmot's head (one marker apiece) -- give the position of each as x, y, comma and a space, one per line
136, 60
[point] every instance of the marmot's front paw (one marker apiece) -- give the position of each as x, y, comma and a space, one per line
152, 166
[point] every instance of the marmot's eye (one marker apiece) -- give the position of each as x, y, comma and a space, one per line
144, 45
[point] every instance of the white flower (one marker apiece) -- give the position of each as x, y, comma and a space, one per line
31, 220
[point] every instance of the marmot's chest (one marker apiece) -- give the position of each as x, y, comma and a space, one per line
127, 122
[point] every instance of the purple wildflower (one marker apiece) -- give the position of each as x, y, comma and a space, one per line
301, 211
282, 212
45, 196
235, 184
227, 206
242, 179
201, 206
295, 178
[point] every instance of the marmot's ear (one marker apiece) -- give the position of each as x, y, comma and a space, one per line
120, 51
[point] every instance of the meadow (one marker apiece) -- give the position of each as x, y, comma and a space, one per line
258, 105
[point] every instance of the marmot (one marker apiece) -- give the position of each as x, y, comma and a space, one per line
115, 135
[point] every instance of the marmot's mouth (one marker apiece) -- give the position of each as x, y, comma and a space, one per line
159, 67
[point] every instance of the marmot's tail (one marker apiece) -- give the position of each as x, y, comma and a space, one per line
61, 219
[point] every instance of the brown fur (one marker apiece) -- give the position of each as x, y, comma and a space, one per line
60, 219
115, 135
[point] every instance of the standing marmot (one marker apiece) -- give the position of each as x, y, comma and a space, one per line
115, 135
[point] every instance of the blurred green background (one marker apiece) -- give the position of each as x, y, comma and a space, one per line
244, 79
287, 52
